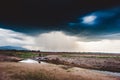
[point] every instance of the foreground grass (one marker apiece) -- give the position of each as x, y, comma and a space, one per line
20, 71
37, 75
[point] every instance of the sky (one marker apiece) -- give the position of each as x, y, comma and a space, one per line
61, 25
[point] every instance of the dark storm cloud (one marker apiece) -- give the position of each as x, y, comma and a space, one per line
101, 22
30, 16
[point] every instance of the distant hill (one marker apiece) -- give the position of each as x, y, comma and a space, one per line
12, 48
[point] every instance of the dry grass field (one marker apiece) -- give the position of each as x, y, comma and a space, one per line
11, 69
25, 71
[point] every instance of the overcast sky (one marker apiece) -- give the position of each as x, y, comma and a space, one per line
61, 25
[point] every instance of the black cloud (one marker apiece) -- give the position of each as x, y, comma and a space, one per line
29, 16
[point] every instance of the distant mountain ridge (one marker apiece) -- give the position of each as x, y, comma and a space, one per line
12, 48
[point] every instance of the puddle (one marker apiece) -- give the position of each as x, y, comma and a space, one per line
117, 74
31, 61
108, 72
28, 61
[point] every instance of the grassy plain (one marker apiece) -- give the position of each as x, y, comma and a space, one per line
11, 69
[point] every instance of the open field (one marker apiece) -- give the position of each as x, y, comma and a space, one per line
65, 69
22, 71
99, 61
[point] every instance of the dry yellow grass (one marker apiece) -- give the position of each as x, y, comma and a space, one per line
22, 71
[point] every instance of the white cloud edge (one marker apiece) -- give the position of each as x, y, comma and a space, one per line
58, 41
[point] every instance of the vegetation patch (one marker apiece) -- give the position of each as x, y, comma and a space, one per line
87, 56
26, 54
33, 76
